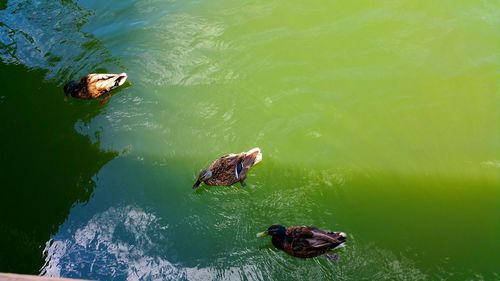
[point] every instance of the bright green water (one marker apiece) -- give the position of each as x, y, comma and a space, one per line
379, 120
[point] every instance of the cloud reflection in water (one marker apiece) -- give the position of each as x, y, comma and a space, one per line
128, 243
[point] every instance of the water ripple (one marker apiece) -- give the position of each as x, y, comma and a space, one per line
47, 35
129, 243
184, 56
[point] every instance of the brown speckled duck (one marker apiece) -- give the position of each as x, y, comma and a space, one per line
304, 241
229, 169
93, 85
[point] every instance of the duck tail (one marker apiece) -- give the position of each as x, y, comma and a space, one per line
203, 176
341, 238
339, 246
196, 184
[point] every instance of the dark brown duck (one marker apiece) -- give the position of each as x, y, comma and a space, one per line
229, 169
304, 241
94, 85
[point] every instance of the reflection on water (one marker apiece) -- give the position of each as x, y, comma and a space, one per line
377, 119
124, 243
168, 232
47, 35
183, 58
46, 167
121, 242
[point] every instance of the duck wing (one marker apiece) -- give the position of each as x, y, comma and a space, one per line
300, 242
310, 237
326, 239
298, 237
95, 84
242, 168
223, 170
224, 163
299, 232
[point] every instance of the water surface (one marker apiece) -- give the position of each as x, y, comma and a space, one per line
379, 120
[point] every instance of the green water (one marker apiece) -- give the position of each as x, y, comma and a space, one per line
376, 119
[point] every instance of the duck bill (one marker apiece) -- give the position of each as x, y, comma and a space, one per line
262, 234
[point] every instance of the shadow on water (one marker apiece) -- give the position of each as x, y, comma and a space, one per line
174, 233
217, 242
46, 166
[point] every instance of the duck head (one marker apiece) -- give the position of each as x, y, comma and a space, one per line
252, 157
275, 229
72, 88
107, 81
102, 83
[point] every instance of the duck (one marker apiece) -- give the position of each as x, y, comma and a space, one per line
304, 241
229, 169
94, 85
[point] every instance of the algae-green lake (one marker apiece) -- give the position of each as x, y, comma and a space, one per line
379, 119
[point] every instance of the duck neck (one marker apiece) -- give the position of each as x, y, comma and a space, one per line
278, 241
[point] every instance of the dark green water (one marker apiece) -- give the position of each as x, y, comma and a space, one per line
379, 120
